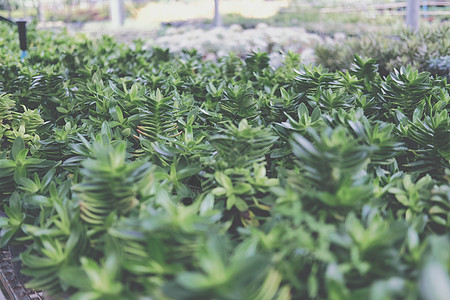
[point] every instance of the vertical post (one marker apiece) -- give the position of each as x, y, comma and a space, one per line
40, 11
217, 22
412, 15
425, 8
22, 26
117, 12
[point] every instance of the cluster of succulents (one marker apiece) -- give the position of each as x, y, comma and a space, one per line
135, 173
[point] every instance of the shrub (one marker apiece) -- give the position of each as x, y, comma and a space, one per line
391, 51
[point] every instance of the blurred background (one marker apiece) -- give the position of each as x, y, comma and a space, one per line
328, 32
150, 14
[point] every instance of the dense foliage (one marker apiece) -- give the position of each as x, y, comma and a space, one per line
131, 173
427, 50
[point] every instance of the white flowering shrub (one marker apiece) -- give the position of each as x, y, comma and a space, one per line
220, 41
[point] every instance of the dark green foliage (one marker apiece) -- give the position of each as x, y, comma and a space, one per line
405, 89
243, 145
425, 50
18, 164
238, 102
331, 168
156, 120
134, 173
311, 78
109, 184
440, 65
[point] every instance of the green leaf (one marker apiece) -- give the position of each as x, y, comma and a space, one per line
242, 188
231, 201
7, 234
17, 147
62, 110
224, 180
20, 157
116, 89
207, 204
48, 177
240, 204
418, 112
27, 185
119, 114
195, 281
